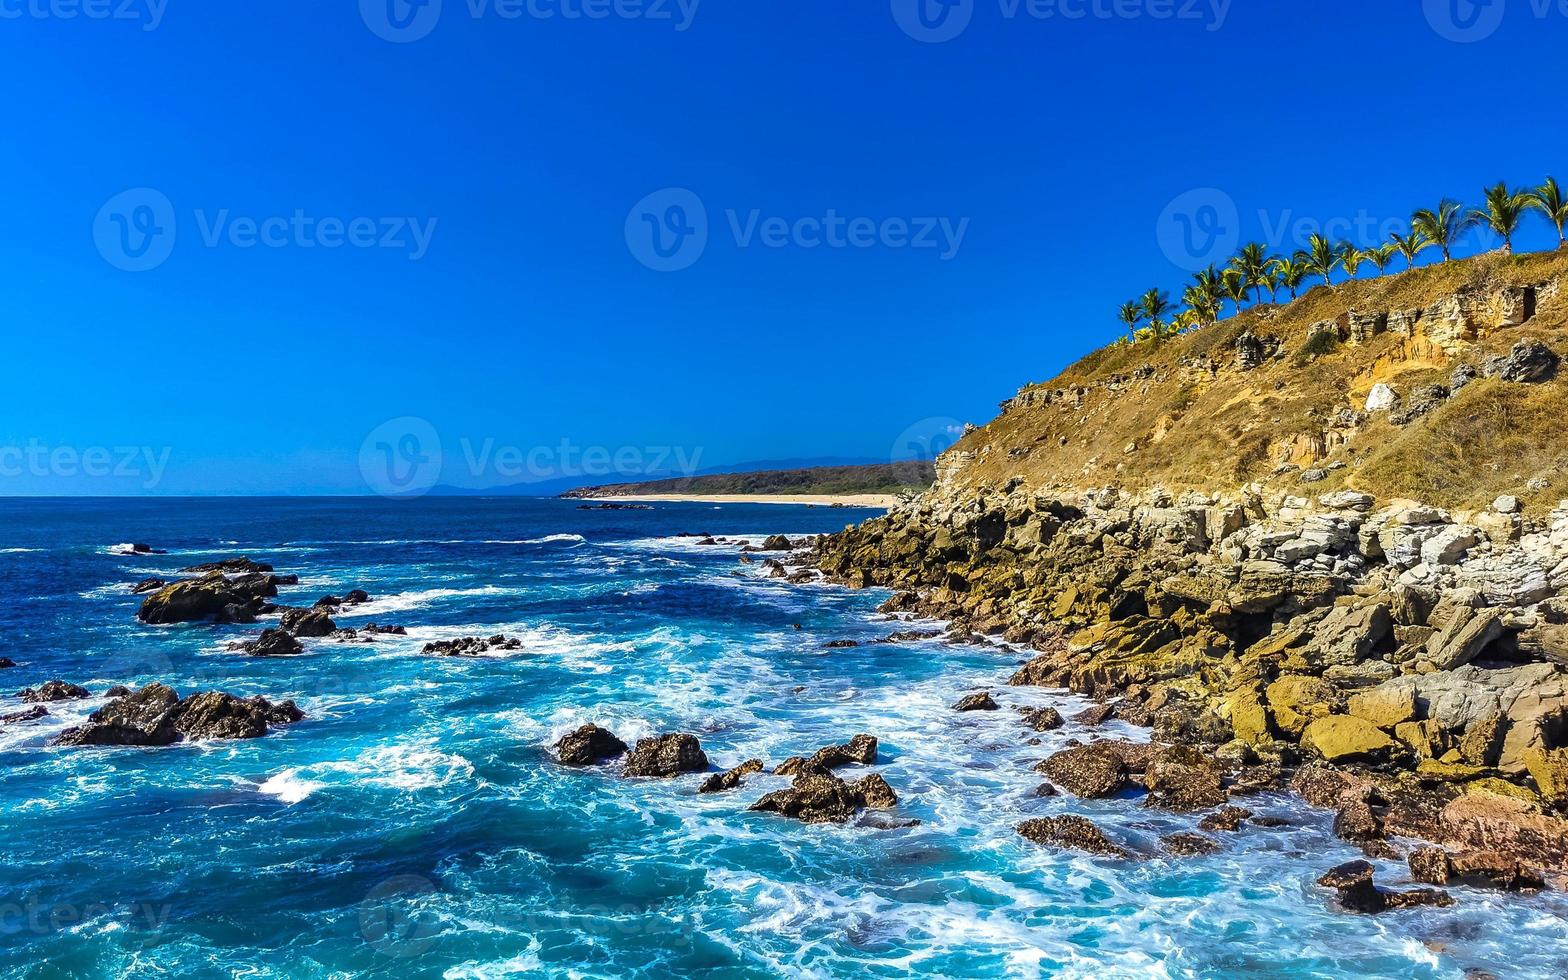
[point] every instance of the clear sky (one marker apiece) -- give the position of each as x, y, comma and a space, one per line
719, 231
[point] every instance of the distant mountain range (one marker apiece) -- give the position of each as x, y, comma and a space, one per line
866, 478
561, 486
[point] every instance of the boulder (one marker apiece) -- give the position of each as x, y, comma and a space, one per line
1382, 398
6, 663
1185, 780
1479, 869
1188, 844
1229, 818
1087, 771
145, 717
1357, 893
1042, 719
588, 746
209, 597
148, 585
307, 622
235, 566
1469, 632
1074, 833
1094, 715
776, 542
53, 691
1296, 699
473, 646
665, 756
1529, 362
818, 796
219, 715
34, 713
1385, 706
976, 702
271, 643
860, 750
1342, 738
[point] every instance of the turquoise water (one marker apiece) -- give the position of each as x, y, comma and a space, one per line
416, 825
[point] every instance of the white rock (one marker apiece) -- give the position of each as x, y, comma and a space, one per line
1449, 545
1347, 500
1506, 504
1382, 398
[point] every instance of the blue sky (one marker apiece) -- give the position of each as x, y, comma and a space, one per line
900, 230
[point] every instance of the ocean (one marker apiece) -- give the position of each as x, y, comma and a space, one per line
416, 824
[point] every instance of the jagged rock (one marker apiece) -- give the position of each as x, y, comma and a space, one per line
307, 622
860, 750
34, 713
216, 714
1480, 869
234, 566
1074, 833
1094, 715
155, 715
1183, 779
209, 597
875, 792
588, 746
50, 691
1385, 706
1229, 818
976, 702
148, 585
818, 796
1469, 633
1188, 844
1296, 699
1530, 362
719, 782
1356, 892
1089, 771
271, 643
1382, 398
665, 756
776, 542
473, 646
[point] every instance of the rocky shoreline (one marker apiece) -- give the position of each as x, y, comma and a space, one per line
1399, 664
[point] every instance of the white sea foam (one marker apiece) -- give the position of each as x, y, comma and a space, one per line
19, 551
404, 601
405, 768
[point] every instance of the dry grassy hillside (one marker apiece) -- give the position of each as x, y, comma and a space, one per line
1194, 412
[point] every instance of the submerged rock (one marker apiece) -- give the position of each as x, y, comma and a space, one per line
1356, 892
1088, 771
665, 756
1072, 832
1188, 844
728, 780
30, 714
589, 746
1042, 719
976, 702
818, 796
473, 646
271, 643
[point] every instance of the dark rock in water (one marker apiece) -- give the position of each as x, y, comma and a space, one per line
1530, 362
1093, 715
588, 746
208, 597
719, 782
307, 622
1042, 719
1357, 893
117, 691
148, 585
615, 507
356, 597
1046, 790
384, 630
155, 715
1189, 844
146, 717
271, 643
237, 614
237, 566
665, 756
473, 646
860, 750
1133, 714
1088, 771
30, 714
814, 797
53, 691
841, 645
285, 580
215, 714
1072, 832
1356, 822
138, 549
328, 601
875, 792
777, 542
1184, 779
1225, 818
976, 702
1480, 869
909, 636
6, 663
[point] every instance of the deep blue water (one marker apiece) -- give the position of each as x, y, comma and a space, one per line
416, 825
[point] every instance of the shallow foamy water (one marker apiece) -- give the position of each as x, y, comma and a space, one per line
416, 825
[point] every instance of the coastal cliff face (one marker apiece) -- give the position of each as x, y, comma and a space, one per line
1342, 558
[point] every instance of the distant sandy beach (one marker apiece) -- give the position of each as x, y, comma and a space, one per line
883, 501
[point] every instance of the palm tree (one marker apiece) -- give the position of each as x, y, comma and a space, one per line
1503, 211
1410, 246
1204, 305
1155, 305
1323, 258
1382, 255
1351, 258
1441, 227
1235, 286
1253, 263
1131, 314
1548, 199
1290, 272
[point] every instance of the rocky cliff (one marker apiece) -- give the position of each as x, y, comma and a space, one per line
1323, 539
